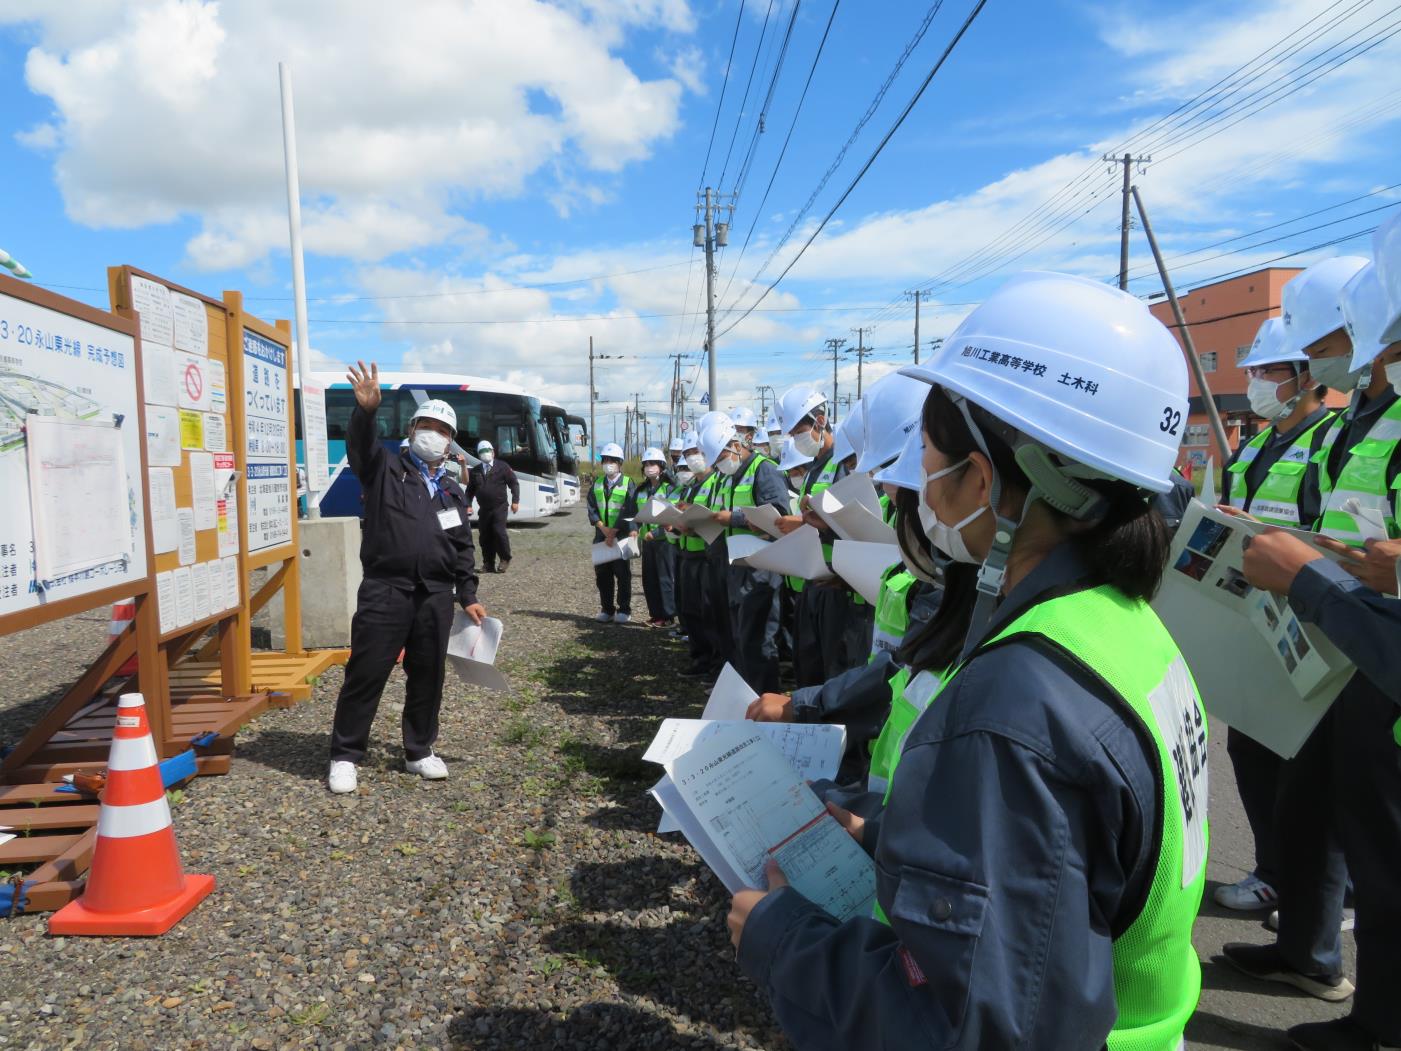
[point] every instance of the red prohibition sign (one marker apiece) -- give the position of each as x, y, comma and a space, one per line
194, 381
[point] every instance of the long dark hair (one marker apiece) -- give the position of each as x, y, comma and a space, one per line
1126, 548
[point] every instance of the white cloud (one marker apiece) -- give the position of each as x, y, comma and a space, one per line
167, 108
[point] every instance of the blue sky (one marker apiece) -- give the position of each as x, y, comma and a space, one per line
457, 156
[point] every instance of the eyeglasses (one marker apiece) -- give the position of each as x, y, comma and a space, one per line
1279, 373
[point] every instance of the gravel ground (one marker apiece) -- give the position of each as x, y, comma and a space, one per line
523, 903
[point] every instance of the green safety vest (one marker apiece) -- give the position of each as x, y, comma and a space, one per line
671, 494
706, 496
740, 491
659, 490
887, 509
823, 482
1157, 976
610, 506
1363, 478
1276, 499
892, 609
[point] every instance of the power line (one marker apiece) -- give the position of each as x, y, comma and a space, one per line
725, 83
880, 146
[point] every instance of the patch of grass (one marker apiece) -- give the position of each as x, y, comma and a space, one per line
550, 965
461, 807
524, 731
408, 850
339, 855
538, 840
536, 787
247, 870
175, 796
315, 1014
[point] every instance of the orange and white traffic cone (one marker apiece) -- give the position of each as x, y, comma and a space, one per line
123, 613
136, 885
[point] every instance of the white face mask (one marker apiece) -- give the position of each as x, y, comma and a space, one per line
726, 466
486, 456
612, 469
428, 446
696, 462
652, 471
1393, 376
685, 477
1333, 373
946, 538
807, 443
1264, 400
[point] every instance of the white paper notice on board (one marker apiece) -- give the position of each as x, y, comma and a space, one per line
216, 439
267, 443
199, 584
165, 601
203, 490
162, 436
184, 596
191, 324
215, 572
218, 386
231, 581
158, 378
192, 381
316, 453
79, 497
165, 528
226, 504
151, 300
186, 518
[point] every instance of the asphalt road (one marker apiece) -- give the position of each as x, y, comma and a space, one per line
1236, 1012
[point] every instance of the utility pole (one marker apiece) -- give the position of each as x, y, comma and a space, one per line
1217, 430
678, 398
710, 234
862, 352
917, 295
835, 346
1128, 160
593, 397
636, 421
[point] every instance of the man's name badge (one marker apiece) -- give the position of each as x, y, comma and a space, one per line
450, 518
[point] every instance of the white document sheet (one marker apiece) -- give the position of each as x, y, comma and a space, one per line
203, 490
166, 607
216, 437
742, 545
861, 565
231, 581
730, 697
1258, 667
191, 324
799, 554
625, 548
659, 512
165, 528
184, 596
185, 519
765, 517
151, 300
192, 382
162, 436
814, 750
699, 520
158, 377
199, 584
1208, 496
852, 508
215, 571
739, 803
472, 651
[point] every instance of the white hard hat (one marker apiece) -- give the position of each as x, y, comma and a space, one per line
653, 455
612, 451
710, 418
483, 445
715, 438
433, 409
1271, 346
850, 433
678, 444
761, 437
1311, 301
791, 458
1386, 253
1366, 314
773, 424
1081, 368
907, 469
743, 417
892, 409
796, 403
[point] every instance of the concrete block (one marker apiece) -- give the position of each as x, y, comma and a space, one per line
331, 574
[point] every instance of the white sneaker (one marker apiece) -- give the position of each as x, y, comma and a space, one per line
430, 768
621, 618
603, 618
342, 779
1250, 893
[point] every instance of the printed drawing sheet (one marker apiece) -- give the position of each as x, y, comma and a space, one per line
739, 803
813, 750
1223, 626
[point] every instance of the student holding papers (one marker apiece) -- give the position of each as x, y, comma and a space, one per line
1342, 792
1028, 894
658, 556
612, 505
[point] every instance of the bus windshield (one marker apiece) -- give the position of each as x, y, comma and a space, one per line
559, 432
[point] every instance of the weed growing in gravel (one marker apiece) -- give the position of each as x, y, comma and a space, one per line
339, 855
521, 730
550, 965
538, 840
247, 870
316, 1014
408, 850
461, 806
175, 796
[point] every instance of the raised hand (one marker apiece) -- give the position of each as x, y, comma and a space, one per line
366, 384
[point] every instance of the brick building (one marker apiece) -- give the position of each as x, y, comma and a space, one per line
1224, 318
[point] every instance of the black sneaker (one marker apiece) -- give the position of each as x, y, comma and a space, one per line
1341, 1034
488, 569
1266, 963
